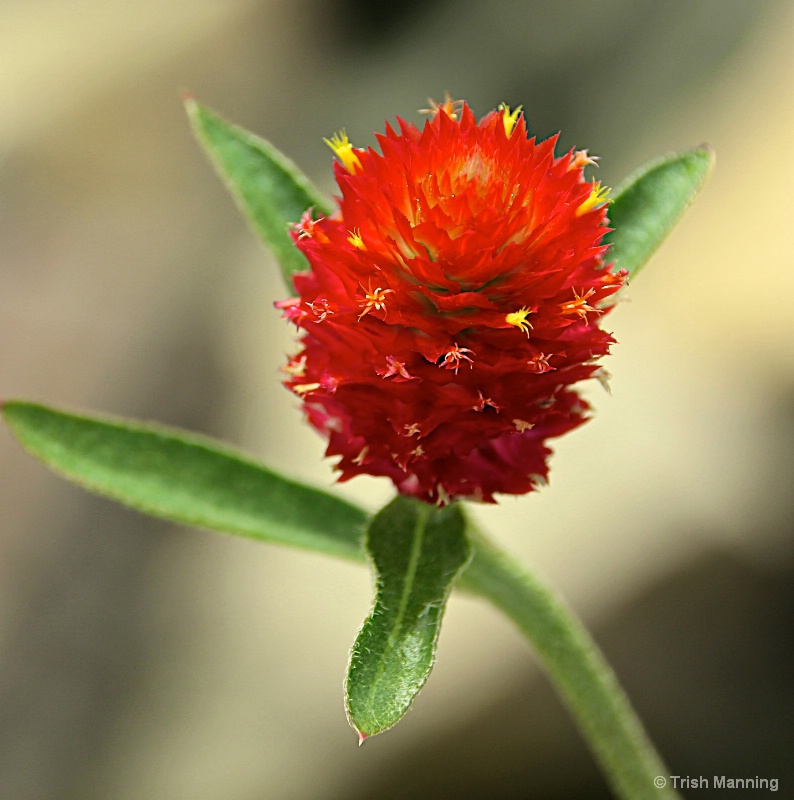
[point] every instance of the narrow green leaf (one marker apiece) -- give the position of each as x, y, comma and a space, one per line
269, 189
417, 551
649, 203
186, 479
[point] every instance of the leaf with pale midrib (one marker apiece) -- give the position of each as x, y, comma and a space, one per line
187, 479
418, 551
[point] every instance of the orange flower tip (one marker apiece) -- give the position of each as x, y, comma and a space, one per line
581, 159
356, 240
579, 305
450, 107
522, 425
598, 196
374, 299
509, 118
305, 388
344, 151
519, 320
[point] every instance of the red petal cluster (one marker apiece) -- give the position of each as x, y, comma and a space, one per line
453, 301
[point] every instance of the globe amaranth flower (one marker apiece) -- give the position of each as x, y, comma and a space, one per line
453, 301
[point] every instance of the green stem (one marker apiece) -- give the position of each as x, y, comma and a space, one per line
576, 666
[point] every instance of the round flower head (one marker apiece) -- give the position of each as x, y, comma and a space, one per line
453, 301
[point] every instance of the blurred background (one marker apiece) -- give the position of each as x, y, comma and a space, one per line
141, 661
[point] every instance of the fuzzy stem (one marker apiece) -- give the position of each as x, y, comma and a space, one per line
576, 666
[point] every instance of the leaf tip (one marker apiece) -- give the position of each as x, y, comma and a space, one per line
4, 406
191, 106
707, 151
361, 737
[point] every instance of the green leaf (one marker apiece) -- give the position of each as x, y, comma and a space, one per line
649, 203
269, 189
186, 479
418, 552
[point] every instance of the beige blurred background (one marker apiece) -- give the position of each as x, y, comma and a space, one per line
139, 661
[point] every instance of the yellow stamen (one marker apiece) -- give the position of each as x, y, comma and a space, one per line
599, 195
344, 151
296, 367
519, 319
509, 118
305, 388
356, 240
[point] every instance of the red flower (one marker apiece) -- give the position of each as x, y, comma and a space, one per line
453, 301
